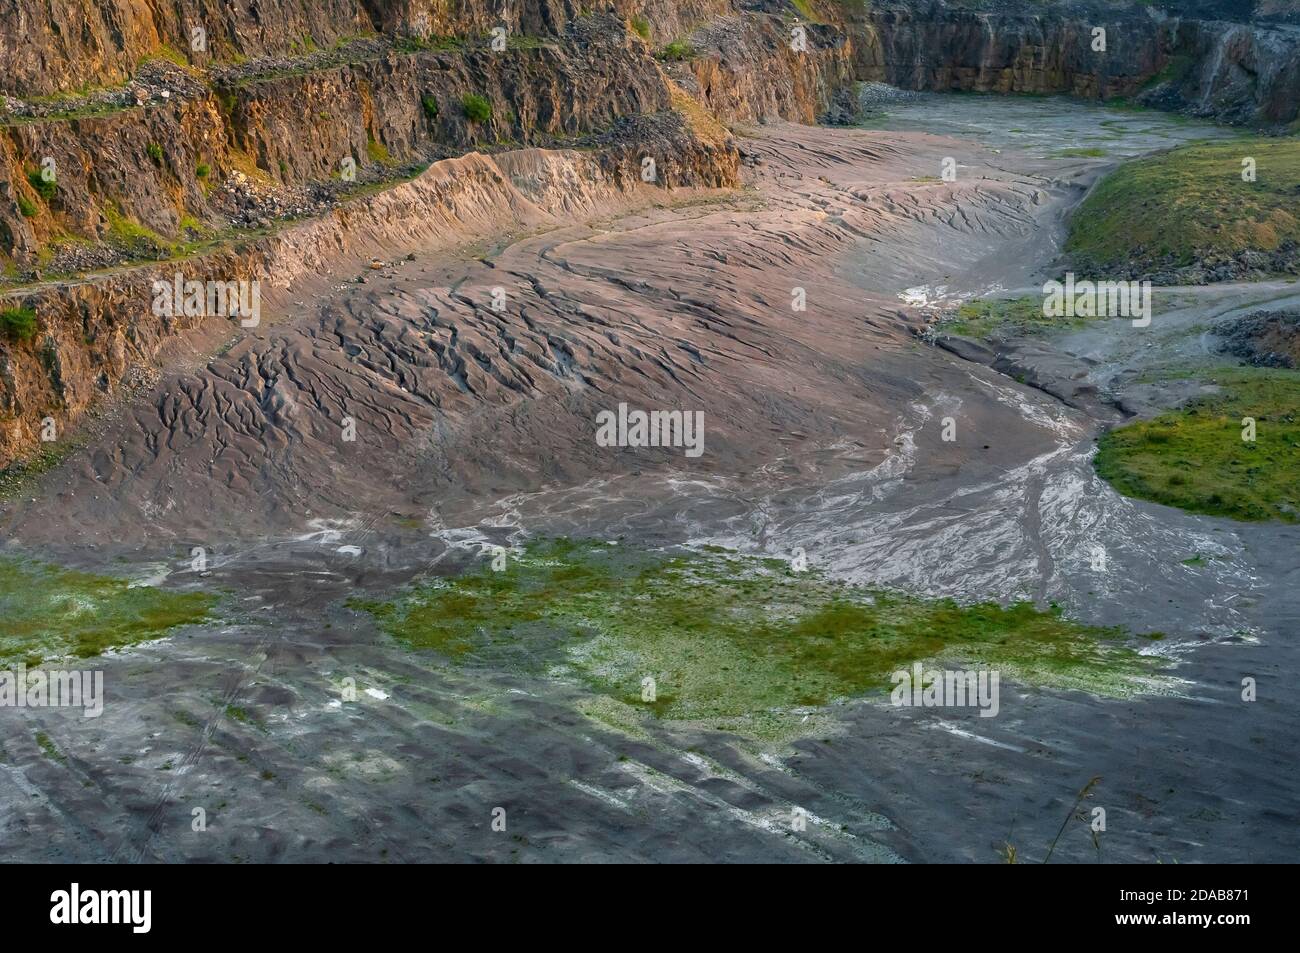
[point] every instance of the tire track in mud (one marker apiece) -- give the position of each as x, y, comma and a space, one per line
136, 847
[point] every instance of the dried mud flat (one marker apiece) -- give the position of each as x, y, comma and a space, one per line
822, 433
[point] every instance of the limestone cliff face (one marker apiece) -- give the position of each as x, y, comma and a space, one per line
1244, 73
745, 69
1232, 72
48, 47
953, 49
142, 164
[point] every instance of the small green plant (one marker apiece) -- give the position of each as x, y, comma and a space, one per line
376, 150
18, 324
45, 188
641, 26
676, 51
1084, 793
26, 207
477, 108
430, 106
227, 100
171, 54
202, 170
155, 153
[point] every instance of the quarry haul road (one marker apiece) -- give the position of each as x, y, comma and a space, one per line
823, 433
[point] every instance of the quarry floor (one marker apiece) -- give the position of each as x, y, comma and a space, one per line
823, 434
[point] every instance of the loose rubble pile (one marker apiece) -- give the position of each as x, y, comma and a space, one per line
1263, 338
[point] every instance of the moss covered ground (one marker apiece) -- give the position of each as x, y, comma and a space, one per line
1195, 458
728, 638
992, 318
49, 613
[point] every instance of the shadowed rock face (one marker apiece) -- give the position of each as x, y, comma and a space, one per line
1233, 72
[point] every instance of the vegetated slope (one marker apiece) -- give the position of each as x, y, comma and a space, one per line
1205, 212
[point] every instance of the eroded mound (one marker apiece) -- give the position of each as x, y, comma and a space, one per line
1263, 338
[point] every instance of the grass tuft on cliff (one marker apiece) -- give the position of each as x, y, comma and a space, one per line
732, 637
1189, 204
676, 52
45, 189
476, 108
1197, 460
47, 612
18, 323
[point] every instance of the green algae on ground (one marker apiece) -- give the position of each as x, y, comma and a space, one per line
991, 318
1195, 458
48, 613
727, 637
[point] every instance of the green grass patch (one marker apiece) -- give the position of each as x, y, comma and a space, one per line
45, 189
47, 612
377, 151
1195, 458
641, 27
18, 323
26, 207
49, 748
989, 318
476, 108
416, 44
732, 638
135, 238
676, 51
1188, 203
806, 11
170, 54
525, 41
430, 107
